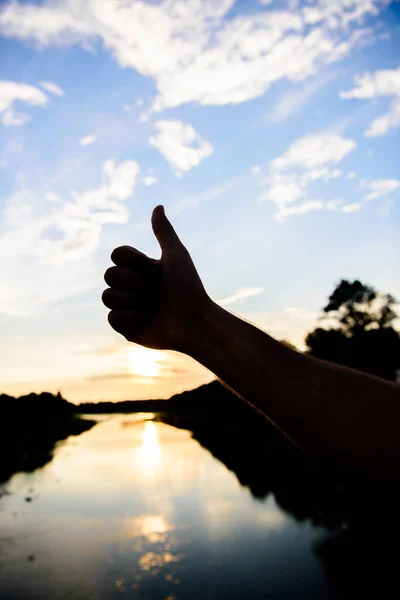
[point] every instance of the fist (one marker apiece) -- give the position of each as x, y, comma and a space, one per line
155, 302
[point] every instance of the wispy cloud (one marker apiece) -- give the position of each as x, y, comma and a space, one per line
227, 60
384, 82
352, 207
149, 180
180, 145
291, 101
315, 151
334, 204
380, 187
308, 159
208, 195
52, 88
108, 376
101, 350
240, 295
11, 92
300, 209
48, 246
88, 140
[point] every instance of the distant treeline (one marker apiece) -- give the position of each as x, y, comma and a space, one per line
30, 428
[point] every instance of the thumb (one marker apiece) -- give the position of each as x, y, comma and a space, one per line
163, 229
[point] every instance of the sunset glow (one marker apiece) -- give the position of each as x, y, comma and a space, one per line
268, 130
145, 362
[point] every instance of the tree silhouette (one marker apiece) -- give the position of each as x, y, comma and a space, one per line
361, 333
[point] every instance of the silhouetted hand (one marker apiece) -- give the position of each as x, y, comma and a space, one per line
343, 417
153, 302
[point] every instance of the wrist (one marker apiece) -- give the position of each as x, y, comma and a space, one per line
198, 327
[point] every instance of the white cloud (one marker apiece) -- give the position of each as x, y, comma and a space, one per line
352, 207
384, 82
149, 180
383, 124
351, 175
49, 245
309, 159
240, 295
292, 324
11, 117
283, 189
381, 187
194, 50
180, 145
377, 188
325, 174
88, 140
314, 151
11, 92
379, 83
52, 197
122, 178
299, 209
334, 204
340, 13
256, 169
52, 88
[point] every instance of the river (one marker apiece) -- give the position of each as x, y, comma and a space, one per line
136, 508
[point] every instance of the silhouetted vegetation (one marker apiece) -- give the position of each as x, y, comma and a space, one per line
356, 553
260, 456
30, 428
126, 406
361, 335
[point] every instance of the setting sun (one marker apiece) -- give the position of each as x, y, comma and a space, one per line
145, 362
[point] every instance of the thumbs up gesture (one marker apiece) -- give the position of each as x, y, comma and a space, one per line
153, 302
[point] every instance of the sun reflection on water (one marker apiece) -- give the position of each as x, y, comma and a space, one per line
149, 451
152, 560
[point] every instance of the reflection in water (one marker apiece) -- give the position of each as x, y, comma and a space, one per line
151, 526
150, 560
139, 509
150, 451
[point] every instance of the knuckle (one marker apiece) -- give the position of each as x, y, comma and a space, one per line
115, 321
108, 275
107, 297
118, 252
110, 318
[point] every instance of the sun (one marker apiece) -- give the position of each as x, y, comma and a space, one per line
145, 362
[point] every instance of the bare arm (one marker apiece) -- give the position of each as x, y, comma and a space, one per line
347, 419
344, 417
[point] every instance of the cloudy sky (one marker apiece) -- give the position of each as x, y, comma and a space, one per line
269, 130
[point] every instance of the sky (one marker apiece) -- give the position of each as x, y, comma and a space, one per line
268, 129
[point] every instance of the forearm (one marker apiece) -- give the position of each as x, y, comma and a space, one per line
346, 418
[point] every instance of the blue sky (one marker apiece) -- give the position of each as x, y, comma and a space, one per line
269, 130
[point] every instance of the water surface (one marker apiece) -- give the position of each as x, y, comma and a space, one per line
136, 508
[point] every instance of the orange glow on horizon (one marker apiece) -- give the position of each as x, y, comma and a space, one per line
145, 362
